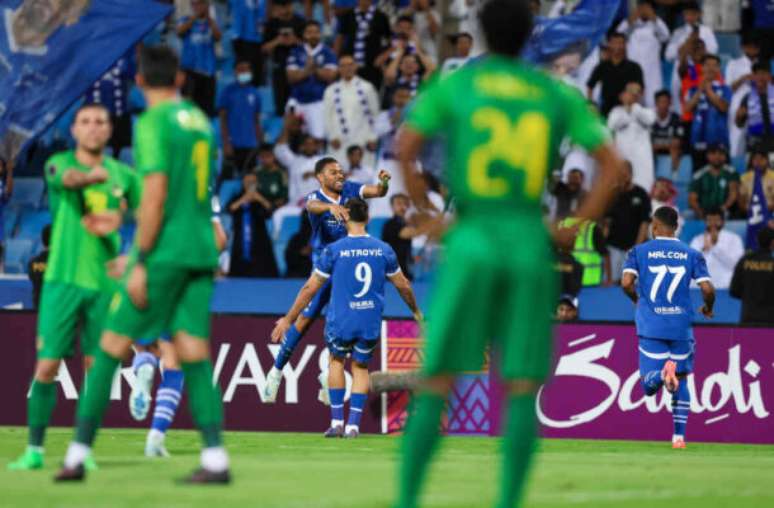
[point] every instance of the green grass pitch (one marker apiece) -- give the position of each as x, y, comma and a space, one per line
305, 470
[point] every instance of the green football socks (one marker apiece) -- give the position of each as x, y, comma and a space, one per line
518, 445
39, 409
204, 401
95, 397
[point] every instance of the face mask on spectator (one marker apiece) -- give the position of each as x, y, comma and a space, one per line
244, 77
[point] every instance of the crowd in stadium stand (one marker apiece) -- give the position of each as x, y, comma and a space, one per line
685, 87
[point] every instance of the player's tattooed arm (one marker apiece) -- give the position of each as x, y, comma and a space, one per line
405, 291
708, 295
317, 207
74, 179
380, 189
628, 284
311, 287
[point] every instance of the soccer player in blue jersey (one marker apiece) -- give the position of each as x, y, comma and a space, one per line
328, 218
657, 276
354, 269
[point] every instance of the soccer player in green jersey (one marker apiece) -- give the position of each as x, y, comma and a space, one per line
168, 281
503, 122
86, 192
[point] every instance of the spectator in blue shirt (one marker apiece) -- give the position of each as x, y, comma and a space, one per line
247, 18
311, 66
112, 91
199, 33
708, 101
239, 107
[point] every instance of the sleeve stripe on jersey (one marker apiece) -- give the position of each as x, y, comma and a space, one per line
396, 272
362, 190
322, 274
703, 279
631, 270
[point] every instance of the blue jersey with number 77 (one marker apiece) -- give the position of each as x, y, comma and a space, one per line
358, 267
664, 268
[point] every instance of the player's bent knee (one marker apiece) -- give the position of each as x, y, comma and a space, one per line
523, 387
191, 349
115, 345
169, 358
46, 370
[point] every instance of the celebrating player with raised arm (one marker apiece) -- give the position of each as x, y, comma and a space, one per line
169, 279
503, 122
354, 269
328, 218
86, 193
657, 276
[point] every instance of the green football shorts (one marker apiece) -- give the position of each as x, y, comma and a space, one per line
496, 285
62, 308
178, 301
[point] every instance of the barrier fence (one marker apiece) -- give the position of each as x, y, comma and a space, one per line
594, 391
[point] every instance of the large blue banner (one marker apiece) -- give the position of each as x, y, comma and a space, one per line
573, 35
51, 51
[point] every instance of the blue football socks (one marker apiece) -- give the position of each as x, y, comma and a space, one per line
292, 338
681, 407
356, 403
167, 399
337, 406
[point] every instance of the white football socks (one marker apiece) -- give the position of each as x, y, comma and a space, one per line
215, 459
76, 454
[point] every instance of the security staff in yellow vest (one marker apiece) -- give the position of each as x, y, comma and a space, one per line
590, 250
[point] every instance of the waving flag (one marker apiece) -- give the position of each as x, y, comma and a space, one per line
759, 214
575, 33
51, 51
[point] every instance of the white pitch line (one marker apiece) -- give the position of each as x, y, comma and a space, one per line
582, 340
716, 419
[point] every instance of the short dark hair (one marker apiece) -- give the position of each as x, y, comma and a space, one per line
266, 147
662, 93
710, 56
358, 210
158, 66
713, 210
507, 25
405, 17
750, 39
353, 148
616, 35
399, 195
238, 61
319, 166
667, 216
761, 66
691, 6
91, 105
312, 22
765, 238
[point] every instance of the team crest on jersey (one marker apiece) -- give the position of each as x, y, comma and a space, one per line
52, 170
117, 191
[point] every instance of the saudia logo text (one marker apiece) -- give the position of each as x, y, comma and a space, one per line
718, 390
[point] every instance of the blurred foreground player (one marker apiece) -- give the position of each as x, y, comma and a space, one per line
657, 277
355, 268
169, 279
504, 122
87, 193
161, 353
327, 216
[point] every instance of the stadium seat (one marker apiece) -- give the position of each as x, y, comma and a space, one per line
32, 222
740, 163
729, 44
272, 128
664, 167
691, 228
267, 101
375, 227
228, 190
685, 170
17, 254
290, 226
739, 227
28, 192
681, 200
10, 220
126, 156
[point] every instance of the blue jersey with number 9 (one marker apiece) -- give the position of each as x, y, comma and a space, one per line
358, 267
664, 268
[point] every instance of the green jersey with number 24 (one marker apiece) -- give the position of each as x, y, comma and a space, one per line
504, 122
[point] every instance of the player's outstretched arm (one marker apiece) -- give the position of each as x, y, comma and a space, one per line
316, 207
629, 285
378, 190
405, 291
310, 288
708, 295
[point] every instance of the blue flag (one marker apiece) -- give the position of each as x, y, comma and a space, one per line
576, 33
51, 51
758, 214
